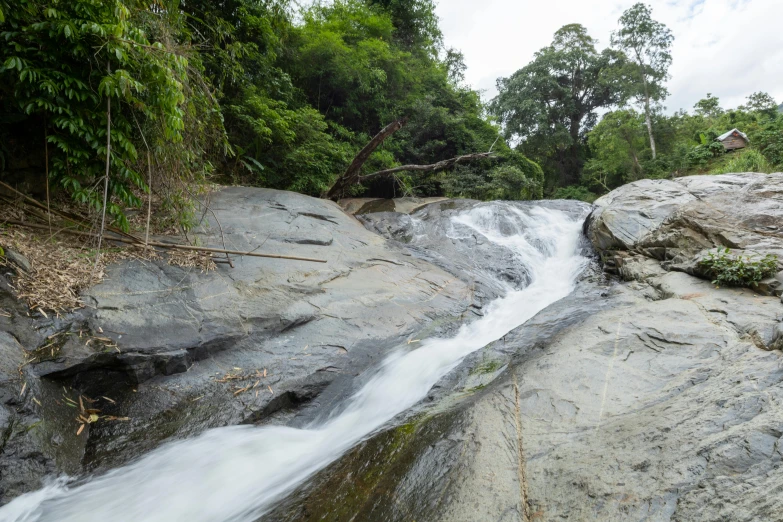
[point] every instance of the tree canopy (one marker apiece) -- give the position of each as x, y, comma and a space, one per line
253, 91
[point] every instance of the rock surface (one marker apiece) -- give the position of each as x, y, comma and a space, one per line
432, 234
652, 395
652, 398
679, 221
177, 351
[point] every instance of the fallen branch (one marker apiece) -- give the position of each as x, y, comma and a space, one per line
352, 175
441, 165
173, 246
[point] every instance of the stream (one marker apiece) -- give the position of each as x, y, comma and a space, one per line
238, 473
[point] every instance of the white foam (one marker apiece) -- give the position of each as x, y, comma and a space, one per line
238, 473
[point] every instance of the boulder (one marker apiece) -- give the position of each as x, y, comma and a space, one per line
172, 351
679, 222
653, 399
432, 234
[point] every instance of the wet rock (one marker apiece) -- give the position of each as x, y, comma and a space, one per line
650, 398
177, 351
610, 408
360, 206
432, 234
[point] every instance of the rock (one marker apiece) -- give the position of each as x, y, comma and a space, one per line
360, 206
648, 399
432, 234
18, 260
178, 351
670, 218
771, 285
612, 406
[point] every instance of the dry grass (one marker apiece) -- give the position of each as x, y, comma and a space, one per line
186, 259
63, 266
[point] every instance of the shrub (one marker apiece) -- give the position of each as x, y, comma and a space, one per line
576, 192
699, 156
747, 161
727, 269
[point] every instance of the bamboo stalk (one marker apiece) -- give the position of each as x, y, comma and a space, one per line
173, 246
108, 166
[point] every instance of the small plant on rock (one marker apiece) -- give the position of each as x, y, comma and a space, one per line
728, 269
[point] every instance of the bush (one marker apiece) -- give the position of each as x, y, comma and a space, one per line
576, 192
727, 269
747, 161
699, 156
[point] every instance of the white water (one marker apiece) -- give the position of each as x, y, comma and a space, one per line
238, 473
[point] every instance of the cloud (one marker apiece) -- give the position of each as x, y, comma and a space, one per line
730, 48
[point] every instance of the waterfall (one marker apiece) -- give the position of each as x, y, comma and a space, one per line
239, 473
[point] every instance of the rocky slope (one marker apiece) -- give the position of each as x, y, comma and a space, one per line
648, 394
654, 397
177, 351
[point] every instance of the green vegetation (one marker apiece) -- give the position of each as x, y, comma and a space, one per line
550, 108
258, 92
727, 269
268, 93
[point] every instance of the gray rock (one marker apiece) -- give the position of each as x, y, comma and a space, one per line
678, 219
611, 407
431, 234
18, 260
172, 348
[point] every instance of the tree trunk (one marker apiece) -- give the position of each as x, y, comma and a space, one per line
647, 116
352, 175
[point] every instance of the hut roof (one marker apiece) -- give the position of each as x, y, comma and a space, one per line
732, 131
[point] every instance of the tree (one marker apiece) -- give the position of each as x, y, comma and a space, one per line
549, 105
763, 103
648, 44
617, 144
708, 107
60, 63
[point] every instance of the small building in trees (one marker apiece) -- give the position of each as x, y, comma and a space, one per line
734, 139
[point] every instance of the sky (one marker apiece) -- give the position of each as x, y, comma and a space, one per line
729, 48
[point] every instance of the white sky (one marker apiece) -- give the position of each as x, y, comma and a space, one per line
730, 48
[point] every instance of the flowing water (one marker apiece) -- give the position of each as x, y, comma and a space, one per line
238, 473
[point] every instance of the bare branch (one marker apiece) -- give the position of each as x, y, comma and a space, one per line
441, 165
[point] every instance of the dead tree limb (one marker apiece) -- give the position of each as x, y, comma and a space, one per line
441, 165
353, 174
172, 246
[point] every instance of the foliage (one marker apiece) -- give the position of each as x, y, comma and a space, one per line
575, 192
708, 107
617, 142
745, 161
728, 269
512, 178
549, 104
64, 62
276, 95
648, 46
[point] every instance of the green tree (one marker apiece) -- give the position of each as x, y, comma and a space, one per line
648, 44
709, 107
550, 104
617, 144
64, 62
763, 103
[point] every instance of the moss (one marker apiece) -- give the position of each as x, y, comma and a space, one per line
487, 367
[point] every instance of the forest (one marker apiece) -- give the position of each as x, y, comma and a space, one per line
106, 103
